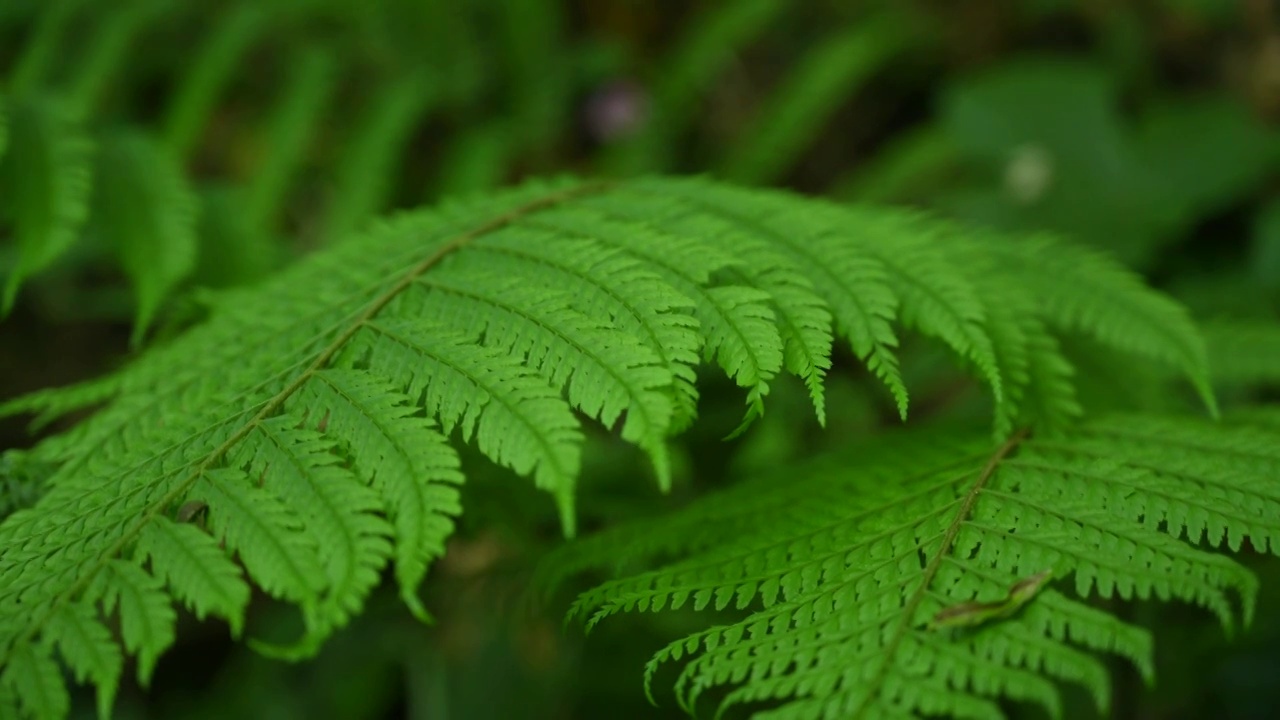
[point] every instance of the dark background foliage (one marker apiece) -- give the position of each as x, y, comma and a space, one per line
1146, 127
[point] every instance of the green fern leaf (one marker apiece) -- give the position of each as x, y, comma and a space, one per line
143, 208
407, 461
935, 298
89, 650
310, 415
842, 565
604, 283
195, 570
35, 682
52, 403
515, 419
735, 321
299, 466
606, 371
146, 616
44, 186
1087, 293
20, 482
256, 524
860, 301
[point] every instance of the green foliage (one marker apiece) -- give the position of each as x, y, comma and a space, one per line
143, 209
705, 47
1044, 137
824, 77
1245, 353
44, 185
70, 82
310, 416
324, 427
844, 561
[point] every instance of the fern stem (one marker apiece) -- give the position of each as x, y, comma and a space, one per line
273, 405
935, 564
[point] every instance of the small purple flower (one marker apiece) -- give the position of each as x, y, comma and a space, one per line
616, 110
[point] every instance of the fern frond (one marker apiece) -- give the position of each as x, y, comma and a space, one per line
310, 415
735, 321
807, 269
340, 515
143, 208
258, 526
146, 616
842, 564
194, 568
89, 650
600, 282
33, 682
44, 186
21, 484
408, 462
1086, 292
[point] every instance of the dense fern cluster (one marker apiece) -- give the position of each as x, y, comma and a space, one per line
310, 418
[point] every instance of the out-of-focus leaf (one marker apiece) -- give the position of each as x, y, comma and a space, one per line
366, 171
477, 160
220, 50
290, 128
831, 72
1265, 253
143, 208
911, 164
1203, 153
232, 250
1244, 352
1051, 152
707, 43
44, 187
